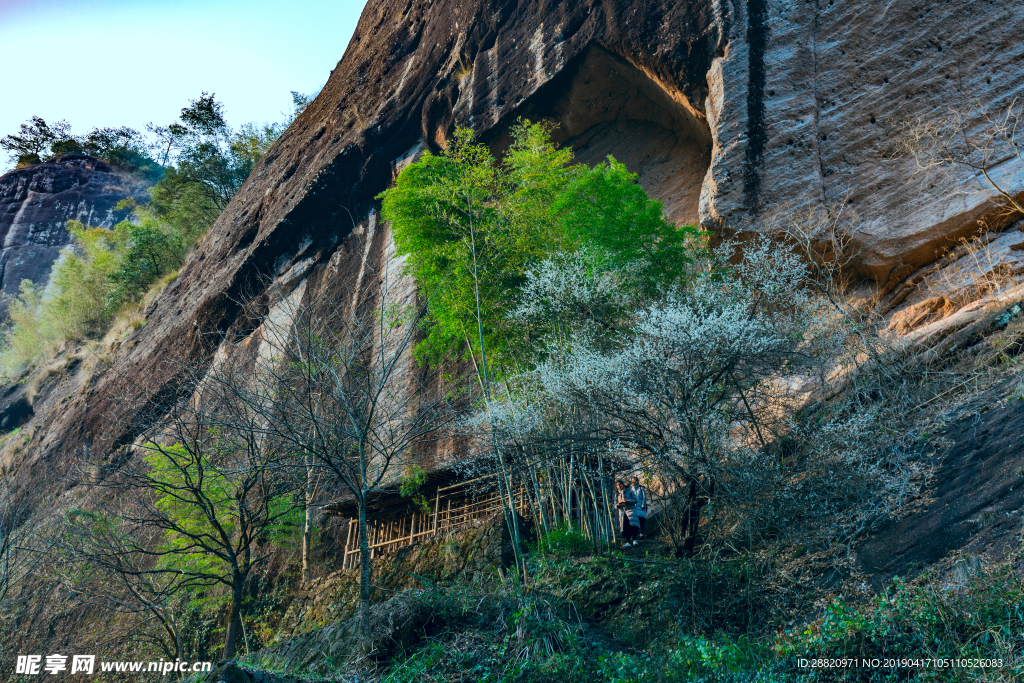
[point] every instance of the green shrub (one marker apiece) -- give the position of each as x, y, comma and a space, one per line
74, 304
718, 658
566, 541
412, 481
95, 277
25, 342
148, 248
983, 620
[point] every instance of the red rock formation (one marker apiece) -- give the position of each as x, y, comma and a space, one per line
725, 109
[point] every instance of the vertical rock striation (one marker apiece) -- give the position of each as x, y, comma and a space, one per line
728, 111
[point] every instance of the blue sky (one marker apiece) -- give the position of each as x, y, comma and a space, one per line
125, 63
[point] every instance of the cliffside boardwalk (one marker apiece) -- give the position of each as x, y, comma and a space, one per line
398, 522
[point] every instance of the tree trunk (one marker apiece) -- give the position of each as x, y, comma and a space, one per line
306, 532
364, 582
503, 470
697, 501
234, 619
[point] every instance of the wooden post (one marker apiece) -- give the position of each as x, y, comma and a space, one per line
437, 503
348, 538
348, 544
355, 541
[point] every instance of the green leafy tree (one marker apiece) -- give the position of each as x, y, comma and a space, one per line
25, 341
37, 141
123, 147
183, 203
208, 163
604, 208
210, 482
33, 141
149, 249
81, 282
300, 101
448, 213
472, 228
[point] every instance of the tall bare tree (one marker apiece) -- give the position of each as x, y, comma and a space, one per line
205, 477
27, 536
337, 386
13, 514
98, 563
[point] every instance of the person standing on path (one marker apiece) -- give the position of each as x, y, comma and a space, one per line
626, 503
640, 493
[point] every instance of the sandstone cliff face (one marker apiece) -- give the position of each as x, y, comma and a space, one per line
808, 96
37, 202
726, 110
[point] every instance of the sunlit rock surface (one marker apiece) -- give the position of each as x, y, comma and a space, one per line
729, 112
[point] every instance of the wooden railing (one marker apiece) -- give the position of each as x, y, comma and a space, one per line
449, 512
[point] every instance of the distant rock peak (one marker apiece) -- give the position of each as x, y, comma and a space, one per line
36, 202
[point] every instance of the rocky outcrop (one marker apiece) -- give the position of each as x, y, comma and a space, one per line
807, 97
37, 202
977, 502
728, 112
724, 109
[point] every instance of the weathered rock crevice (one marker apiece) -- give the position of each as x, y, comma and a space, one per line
757, 137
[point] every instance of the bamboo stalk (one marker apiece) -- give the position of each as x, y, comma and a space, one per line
352, 542
470, 481
542, 518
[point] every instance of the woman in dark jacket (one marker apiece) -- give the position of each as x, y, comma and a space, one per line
641, 502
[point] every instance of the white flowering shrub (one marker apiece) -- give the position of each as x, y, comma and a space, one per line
572, 295
705, 377
705, 388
